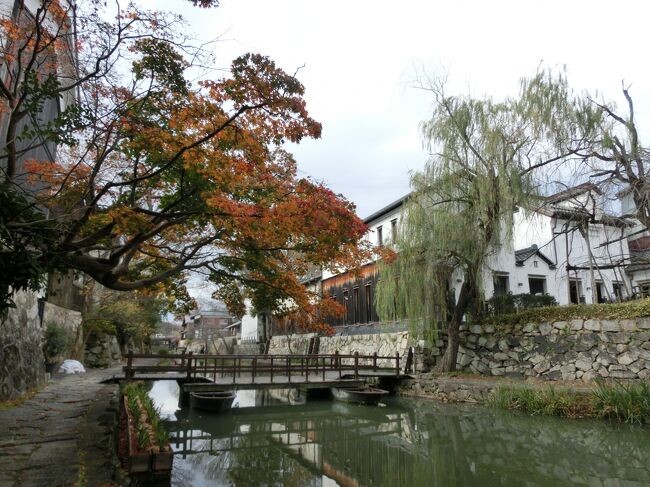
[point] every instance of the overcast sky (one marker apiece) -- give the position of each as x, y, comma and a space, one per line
360, 58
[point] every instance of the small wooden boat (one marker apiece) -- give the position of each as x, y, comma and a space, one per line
212, 401
363, 395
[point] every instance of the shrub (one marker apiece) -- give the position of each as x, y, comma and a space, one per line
602, 311
57, 340
513, 303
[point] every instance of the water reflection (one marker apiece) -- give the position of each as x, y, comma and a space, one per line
267, 441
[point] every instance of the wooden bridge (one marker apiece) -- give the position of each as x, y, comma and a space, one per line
207, 372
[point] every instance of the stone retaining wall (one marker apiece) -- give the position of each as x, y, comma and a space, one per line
384, 344
22, 365
102, 351
567, 350
290, 344
69, 320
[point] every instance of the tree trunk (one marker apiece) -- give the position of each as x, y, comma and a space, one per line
448, 361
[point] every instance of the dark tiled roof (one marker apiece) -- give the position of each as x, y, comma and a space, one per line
573, 192
522, 255
386, 209
639, 260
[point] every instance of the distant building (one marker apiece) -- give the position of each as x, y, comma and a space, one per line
208, 323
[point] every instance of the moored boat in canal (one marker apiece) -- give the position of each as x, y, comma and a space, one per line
217, 402
363, 395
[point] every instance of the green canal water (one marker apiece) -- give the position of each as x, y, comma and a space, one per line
280, 439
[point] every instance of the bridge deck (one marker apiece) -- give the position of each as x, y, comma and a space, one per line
278, 382
218, 372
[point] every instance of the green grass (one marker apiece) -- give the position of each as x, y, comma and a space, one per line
629, 403
549, 401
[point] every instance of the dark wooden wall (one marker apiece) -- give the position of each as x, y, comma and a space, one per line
360, 294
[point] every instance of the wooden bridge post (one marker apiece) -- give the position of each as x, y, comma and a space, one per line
129, 366
287, 364
374, 361
356, 365
323, 364
409, 361
189, 365
397, 363
254, 368
271, 356
337, 362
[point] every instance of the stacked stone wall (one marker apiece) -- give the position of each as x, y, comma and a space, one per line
102, 351
384, 344
290, 344
68, 319
22, 365
564, 350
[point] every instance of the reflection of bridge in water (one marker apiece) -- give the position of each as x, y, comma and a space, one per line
413, 443
355, 445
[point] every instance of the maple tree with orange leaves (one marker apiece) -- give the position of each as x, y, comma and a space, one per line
152, 175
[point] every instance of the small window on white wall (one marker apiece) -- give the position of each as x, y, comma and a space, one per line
536, 285
380, 236
501, 284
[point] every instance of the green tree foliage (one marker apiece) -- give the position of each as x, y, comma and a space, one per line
461, 207
131, 317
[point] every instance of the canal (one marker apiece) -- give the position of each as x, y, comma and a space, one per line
281, 439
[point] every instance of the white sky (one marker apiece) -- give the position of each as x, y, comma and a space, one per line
360, 57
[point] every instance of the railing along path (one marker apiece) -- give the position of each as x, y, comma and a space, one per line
212, 367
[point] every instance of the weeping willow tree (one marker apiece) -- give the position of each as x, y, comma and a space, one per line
483, 157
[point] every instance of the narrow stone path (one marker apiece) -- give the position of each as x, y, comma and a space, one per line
63, 435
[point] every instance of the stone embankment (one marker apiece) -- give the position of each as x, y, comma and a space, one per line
22, 365
384, 344
564, 350
63, 435
102, 351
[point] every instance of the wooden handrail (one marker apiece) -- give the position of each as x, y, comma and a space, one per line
206, 365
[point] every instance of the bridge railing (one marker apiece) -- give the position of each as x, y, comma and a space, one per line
210, 366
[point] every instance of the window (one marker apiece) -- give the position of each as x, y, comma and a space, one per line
355, 302
617, 289
501, 284
644, 289
393, 229
346, 317
535, 263
536, 285
575, 291
380, 236
368, 297
601, 296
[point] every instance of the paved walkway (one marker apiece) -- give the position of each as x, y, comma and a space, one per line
63, 435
